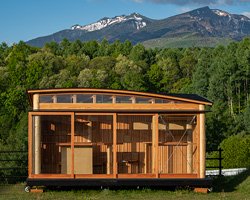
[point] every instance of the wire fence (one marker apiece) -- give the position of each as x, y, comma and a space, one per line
13, 166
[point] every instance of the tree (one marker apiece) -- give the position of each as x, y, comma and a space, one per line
92, 78
127, 70
76, 63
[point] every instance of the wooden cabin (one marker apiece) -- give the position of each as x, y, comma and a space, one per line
104, 137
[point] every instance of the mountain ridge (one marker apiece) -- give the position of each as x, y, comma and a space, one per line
203, 22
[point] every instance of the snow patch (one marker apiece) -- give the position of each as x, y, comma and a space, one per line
109, 21
221, 13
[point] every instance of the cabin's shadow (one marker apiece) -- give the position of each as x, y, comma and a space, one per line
229, 183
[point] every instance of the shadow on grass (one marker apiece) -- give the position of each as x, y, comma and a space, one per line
229, 183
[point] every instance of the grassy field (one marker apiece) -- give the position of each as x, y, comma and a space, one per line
236, 187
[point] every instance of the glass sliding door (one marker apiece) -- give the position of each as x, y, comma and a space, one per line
51, 144
134, 144
93, 144
177, 149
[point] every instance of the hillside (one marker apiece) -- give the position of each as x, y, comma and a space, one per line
204, 24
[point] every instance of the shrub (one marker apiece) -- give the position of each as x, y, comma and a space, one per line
236, 151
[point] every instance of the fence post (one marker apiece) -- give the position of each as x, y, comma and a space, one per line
220, 163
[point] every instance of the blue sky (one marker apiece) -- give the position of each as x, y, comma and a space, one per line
28, 19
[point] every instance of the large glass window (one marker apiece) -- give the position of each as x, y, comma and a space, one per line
93, 144
51, 149
103, 98
134, 142
177, 144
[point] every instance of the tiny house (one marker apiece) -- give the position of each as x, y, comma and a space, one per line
104, 137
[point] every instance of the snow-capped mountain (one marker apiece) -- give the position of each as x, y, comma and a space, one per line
203, 23
137, 18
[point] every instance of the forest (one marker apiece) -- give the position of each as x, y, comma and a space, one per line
220, 74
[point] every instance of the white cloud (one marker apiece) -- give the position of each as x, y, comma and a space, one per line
246, 14
185, 9
195, 2
138, 1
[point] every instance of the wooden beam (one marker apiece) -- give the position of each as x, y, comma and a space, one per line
202, 143
115, 145
119, 106
178, 176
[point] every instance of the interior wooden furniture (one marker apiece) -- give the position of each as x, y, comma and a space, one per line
85, 133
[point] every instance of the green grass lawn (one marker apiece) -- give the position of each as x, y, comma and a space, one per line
235, 187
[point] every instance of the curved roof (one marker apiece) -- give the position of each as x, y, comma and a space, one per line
188, 98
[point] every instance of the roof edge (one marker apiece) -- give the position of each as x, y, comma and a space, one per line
191, 98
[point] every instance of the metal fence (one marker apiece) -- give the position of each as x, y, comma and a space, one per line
218, 158
13, 166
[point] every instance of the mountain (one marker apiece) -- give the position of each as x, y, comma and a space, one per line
199, 27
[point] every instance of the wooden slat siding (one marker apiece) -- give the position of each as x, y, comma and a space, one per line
98, 106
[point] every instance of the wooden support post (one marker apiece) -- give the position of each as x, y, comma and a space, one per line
155, 145
37, 136
202, 142
109, 152
115, 145
72, 144
189, 149
30, 146
220, 162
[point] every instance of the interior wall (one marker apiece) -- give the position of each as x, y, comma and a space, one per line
134, 133
177, 144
